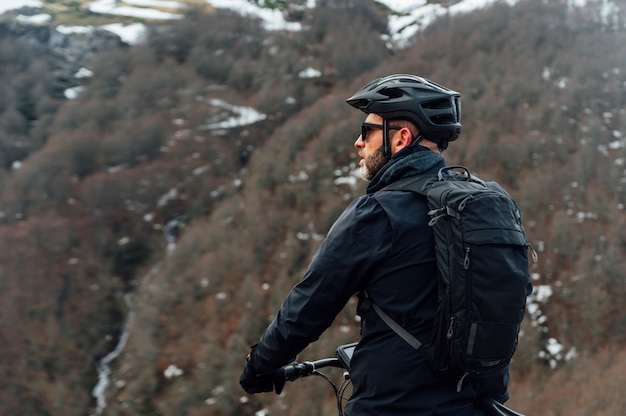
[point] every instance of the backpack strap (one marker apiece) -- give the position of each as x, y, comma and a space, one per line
417, 184
403, 333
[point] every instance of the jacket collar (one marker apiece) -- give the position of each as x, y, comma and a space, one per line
410, 161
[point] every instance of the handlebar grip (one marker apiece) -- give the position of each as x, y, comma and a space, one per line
295, 371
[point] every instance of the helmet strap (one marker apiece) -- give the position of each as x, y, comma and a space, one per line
386, 145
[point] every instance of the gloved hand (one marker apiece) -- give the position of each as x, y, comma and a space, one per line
254, 382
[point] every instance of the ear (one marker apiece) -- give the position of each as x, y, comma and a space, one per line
402, 139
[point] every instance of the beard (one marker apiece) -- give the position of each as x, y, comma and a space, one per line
372, 164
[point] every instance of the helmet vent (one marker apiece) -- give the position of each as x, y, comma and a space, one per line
392, 92
440, 111
437, 105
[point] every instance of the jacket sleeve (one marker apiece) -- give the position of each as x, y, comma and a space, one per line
359, 239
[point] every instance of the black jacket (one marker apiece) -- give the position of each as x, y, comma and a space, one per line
382, 245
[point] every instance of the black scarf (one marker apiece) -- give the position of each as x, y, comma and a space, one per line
410, 161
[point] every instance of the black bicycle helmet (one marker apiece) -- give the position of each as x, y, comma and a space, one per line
434, 109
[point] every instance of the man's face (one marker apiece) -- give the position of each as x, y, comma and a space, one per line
371, 147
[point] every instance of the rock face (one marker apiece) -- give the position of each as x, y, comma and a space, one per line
66, 51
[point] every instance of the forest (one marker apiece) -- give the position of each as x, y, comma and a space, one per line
134, 218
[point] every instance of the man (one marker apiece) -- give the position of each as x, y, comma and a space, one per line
385, 247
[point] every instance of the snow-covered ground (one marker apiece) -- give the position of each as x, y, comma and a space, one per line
409, 16
151, 9
7, 5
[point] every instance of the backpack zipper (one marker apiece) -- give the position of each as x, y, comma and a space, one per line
450, 328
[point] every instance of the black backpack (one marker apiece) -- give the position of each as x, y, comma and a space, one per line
482, 261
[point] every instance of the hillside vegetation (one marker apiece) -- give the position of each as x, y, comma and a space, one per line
131, 209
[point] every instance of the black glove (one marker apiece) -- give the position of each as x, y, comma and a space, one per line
253, 382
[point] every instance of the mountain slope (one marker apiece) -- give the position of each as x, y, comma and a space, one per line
245, 207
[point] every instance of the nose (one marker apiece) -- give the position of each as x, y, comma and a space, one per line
359, 143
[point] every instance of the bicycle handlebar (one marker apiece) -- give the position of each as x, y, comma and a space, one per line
298, 370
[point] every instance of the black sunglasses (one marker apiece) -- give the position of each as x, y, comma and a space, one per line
366, 128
